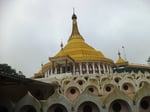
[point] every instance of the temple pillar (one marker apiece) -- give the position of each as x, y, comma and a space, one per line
55, 70
99, 68
45, 75
93, 66
104, 69
53, 67
111, 71
87, 68
60, 69
51, 71
80, 65
66, 67
107, 66
48, 73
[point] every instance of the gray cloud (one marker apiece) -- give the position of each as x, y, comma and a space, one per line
31, 31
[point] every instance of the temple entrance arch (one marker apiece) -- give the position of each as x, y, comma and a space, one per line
57, 108
119, 106
144, 105
88, 107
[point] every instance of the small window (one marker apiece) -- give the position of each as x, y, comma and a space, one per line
80, 83
108, 89
73, 91
117, 80
125, 87
58, 109
144, 104
91, 89
87, 108
116, 107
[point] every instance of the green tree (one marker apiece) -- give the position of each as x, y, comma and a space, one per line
5, 69
148, 60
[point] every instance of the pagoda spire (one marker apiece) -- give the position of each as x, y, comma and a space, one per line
120, 59
61, 45
75, 32
119, 54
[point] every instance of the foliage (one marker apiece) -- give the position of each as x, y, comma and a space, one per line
6, 70
148, 60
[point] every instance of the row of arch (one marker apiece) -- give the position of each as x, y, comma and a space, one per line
73, 87
85, 103
127, 88
73, 92
79, 68
100, 85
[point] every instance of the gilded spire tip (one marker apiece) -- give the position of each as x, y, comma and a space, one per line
74, 16
73, 10
75, 32
118, 53
61, 45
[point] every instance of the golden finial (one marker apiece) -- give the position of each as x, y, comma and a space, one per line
125, 57
75, 33
118, 53
74, 16
73, 10
61, 45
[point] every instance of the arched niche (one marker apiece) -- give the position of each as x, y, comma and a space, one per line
84, 100
28, 104
57, 108
92, 89
141, 83
72, 93
144, 105
128, 87
66, 82
108, 88
88, 107
103, 79
118, 98
56, 103
93, 80
117, 79
80, 82
119, 106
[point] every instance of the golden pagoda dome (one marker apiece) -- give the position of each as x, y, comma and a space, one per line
77, 57
78, 49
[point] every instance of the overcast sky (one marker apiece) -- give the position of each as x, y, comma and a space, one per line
31, 30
